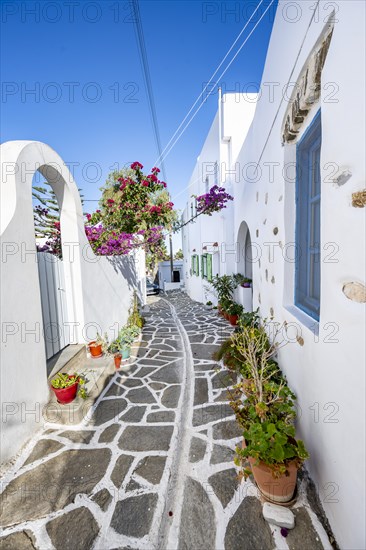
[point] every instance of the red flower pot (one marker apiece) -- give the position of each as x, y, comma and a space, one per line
117, 360
66, 395
233, 319
95, 349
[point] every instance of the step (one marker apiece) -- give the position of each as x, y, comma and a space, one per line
97, 373
73, 356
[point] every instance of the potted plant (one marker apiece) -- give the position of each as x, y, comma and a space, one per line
208, 305
114, 348
66, 387
234, 311
224, 287
246, 282
264, 406
126, 337
95, 347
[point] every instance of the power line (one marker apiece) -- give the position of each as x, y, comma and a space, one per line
222, 74
147, 79
212, 76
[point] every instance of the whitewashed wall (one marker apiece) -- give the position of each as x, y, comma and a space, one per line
99, 289
223, 142
327, 368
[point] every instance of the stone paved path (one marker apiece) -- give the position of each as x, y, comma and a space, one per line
153, 465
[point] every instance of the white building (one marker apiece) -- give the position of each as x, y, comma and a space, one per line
299, 233
165, 275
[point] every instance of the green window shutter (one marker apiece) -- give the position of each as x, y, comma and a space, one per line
202, 267
209, 267
197, 265
192, 264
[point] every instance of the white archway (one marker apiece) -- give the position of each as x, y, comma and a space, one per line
20, 161
24, 387
99, 289
245, 264
245, 251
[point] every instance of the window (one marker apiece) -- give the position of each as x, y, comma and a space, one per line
195, 264
206, 267
308, 191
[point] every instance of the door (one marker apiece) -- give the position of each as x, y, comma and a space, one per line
53, 298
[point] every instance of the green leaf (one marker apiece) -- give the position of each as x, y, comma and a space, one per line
278, 452
271, 429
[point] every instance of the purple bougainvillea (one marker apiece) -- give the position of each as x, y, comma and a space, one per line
213, 201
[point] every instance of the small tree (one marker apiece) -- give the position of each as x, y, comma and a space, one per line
46, 215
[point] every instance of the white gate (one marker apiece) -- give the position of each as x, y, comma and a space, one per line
54, 307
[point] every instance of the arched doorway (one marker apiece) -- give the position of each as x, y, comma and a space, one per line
245, 265
56, 330
23, 372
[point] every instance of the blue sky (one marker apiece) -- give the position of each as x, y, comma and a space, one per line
89, 101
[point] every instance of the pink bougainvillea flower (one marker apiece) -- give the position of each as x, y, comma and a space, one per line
155, 170
136, 166
145, 183
153, 178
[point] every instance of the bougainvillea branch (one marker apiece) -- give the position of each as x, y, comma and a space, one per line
213, 201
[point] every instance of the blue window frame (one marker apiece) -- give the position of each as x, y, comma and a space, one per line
308, 192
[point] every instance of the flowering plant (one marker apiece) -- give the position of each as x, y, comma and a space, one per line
213, 201
134, 208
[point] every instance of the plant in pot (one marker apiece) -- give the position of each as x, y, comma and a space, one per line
114, 348
208, 305
265, 408
234, 311
67, 386
249, 319
95, 347
225, 306
227, 354
246, 282
224, 287
126, 338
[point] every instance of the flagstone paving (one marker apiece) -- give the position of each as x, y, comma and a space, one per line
152, 467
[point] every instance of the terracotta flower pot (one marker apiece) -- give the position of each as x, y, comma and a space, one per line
117, 360
66, 395
275, 489
233, 319
95, 349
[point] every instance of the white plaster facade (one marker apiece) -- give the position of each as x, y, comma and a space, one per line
325, 365
99, 289
164, 275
